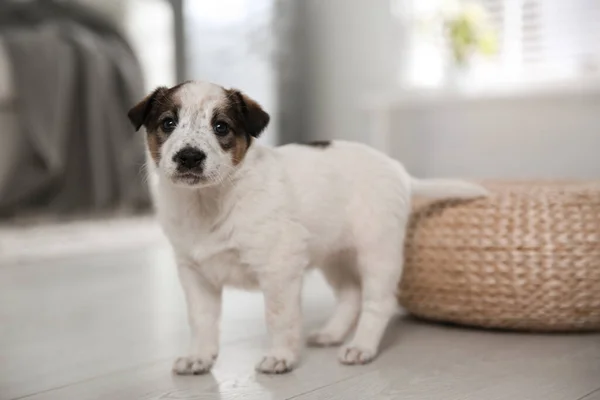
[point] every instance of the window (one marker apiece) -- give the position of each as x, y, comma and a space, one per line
539, 41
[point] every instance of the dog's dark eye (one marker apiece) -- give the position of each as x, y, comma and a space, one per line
168, 125
221, 128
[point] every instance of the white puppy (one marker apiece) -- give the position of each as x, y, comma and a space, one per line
238, 213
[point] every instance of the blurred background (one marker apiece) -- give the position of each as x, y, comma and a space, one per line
494, 89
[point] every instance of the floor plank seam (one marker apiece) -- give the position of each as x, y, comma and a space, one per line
122, 370
589, 394
329, 384
66, 385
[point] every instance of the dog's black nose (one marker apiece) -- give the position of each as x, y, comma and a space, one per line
189, 158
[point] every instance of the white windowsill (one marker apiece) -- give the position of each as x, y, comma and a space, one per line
381, 107
423, 98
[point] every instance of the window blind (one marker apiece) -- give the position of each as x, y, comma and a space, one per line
547, 39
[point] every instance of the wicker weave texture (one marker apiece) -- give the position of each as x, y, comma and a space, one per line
526, 258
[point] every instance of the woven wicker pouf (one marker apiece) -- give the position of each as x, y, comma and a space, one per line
526, 258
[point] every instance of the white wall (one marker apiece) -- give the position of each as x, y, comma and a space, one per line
229, 43
549, 137
148, 25
350, 53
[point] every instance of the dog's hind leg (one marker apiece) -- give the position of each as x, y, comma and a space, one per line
346, 286
380, 266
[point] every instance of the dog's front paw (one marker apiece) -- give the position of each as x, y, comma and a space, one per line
277, 362
356, 355
193, 365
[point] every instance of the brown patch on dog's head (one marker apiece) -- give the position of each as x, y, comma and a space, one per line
246, 120
203, 109
150, 112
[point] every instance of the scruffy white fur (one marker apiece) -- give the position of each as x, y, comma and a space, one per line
263, 223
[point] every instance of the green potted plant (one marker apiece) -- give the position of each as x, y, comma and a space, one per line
468, 34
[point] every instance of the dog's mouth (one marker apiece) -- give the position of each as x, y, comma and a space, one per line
188, 178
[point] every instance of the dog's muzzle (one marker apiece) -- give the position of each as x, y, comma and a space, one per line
189, 159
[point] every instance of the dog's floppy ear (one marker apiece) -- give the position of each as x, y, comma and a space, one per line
254, 118
139, 113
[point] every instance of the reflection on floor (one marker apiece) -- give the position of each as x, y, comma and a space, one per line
39, 241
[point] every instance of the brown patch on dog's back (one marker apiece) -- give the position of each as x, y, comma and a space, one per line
246, 119
150, 112
323, 144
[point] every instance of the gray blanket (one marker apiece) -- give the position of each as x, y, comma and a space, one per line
75, 77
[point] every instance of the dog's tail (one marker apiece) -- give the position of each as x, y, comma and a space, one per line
446, 189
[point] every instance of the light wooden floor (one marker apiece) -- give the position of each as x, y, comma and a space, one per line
107, 326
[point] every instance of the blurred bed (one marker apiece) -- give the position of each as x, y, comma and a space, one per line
66, 75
